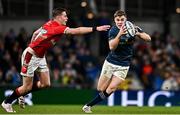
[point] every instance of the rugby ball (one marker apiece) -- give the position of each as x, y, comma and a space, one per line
130, 29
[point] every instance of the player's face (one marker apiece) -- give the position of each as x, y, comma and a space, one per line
63, 18
119, 20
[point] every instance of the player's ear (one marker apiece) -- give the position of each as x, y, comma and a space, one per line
125, 19
58, 17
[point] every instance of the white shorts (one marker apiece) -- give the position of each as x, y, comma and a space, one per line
109, 69
31, 63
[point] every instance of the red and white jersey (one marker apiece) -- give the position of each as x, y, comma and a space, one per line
45, 37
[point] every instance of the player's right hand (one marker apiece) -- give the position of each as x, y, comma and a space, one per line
103, 28
123, 30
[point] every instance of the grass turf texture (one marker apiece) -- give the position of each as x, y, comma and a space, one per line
77, 109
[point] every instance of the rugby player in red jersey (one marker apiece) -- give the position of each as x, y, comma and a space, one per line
33, 57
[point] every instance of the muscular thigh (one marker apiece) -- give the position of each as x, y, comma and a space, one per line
27, 85
107, 70
44, 77
105, 77
43, 72
103, 83
115, 82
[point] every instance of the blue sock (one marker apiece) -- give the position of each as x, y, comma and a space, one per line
100, 97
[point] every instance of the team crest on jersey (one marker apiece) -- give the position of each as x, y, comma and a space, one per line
43, 31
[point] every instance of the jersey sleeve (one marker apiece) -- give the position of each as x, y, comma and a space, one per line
60, 29
112, 34
51, 31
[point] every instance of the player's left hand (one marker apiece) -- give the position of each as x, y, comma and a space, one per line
137, 29
103, 28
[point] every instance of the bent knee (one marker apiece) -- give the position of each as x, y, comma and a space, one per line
45, 85
111, 89
100, 89
48, 85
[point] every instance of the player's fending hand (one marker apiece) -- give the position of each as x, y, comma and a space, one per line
103, 28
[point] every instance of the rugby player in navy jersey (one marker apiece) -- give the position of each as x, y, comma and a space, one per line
116, 64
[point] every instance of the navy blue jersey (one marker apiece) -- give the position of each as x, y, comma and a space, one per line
122, 55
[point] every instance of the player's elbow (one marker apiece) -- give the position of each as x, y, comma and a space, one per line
111, 48
148, 38
145, 37
45, 85
112, 45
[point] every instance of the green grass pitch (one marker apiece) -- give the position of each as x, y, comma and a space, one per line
76, 109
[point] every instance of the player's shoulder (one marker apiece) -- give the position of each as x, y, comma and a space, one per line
113, 30
51, 23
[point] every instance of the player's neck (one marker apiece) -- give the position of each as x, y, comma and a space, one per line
56, 20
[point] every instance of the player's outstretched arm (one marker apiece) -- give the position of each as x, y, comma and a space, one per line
144, 36
85, 30
141, 34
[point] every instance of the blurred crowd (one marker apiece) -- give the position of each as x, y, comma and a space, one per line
155, 65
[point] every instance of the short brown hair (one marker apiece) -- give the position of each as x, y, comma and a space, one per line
119, 13
58, 11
